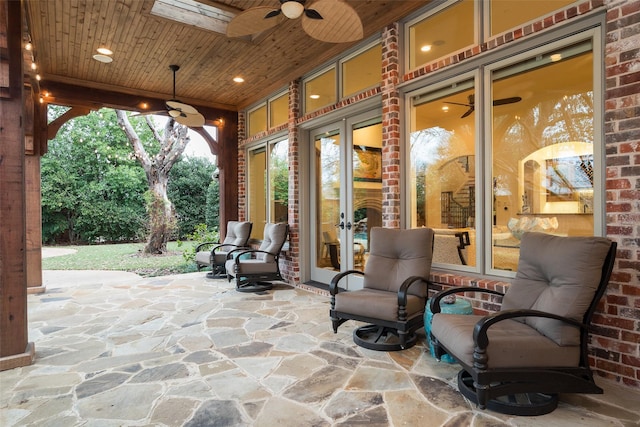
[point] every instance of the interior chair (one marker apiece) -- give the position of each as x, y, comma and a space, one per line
518, 359
214, 255
392, 300
450, 247
254, 269
332, 250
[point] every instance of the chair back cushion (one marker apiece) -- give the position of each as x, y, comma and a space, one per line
396, 255
238, 233
557, 275
274, 237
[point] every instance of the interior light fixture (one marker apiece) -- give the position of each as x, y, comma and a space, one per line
555, 57
238, 79
28, 46
426, 48
105, 51
314, 96
445, 108
38, 78
292, 9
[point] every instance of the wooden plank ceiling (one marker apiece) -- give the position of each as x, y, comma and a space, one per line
66, 33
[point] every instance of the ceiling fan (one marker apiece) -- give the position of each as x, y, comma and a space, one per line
332, 21
182, 113
471, 104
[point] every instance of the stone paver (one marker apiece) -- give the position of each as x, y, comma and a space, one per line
189, 351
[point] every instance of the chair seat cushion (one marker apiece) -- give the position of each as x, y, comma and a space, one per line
376, 304
251, 266
203, 258
512, 343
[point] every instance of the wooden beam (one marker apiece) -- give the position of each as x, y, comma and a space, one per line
15, 349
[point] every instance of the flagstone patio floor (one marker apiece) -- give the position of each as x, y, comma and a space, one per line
185, 350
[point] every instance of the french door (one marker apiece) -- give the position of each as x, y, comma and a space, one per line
346, 194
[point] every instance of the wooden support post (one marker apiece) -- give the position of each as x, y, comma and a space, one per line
228, 168
15, 350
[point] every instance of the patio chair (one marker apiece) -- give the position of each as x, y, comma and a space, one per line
515, 361
392, 300
254, 269
238, 233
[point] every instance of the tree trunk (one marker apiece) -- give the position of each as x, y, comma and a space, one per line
162, 221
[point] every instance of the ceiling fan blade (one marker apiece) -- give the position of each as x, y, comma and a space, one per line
468, 113
253, 21
191, 120
507, 100
458, 103
340, 22
179, 106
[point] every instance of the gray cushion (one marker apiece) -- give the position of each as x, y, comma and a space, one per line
396, 255
511, 344
203, 258
274, 237
376, 304
557, 275
237, 233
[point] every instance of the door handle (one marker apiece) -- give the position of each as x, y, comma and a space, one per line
341, 225
349, 225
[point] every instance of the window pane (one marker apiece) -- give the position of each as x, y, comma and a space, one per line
442, 156
257, 121
279, 181
507, 14
257, 191
279, 111
440, 34
320, 91
362, 72
543, 150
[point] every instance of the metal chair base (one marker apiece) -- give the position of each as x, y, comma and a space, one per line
381, 338
526, 404
254, 287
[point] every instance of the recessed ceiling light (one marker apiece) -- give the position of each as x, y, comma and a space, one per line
314, 96
426, 48
238, 79
105, 51
102, 58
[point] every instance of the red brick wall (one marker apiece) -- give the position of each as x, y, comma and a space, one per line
615, 346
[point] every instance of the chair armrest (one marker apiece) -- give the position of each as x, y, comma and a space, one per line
202, 245
435, 301
244, 251
404, 287
223, 245
333, 286
481, 338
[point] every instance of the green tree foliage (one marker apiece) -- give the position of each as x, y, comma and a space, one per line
212, 212
189, 181
92, 188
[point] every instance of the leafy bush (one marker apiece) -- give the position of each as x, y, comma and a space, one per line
201, 234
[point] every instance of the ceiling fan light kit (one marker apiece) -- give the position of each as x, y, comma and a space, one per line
331, 21
292, 9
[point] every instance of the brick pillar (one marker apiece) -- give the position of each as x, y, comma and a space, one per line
390, 128
615, 346
242, 168
292, 266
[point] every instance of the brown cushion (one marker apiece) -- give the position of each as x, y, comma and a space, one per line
396, 255
557, 275
376, 304
511, 343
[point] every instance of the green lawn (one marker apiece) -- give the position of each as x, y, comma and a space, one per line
122, 257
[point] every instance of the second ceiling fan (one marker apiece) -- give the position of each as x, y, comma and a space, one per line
332, 21
471, 103
182, 113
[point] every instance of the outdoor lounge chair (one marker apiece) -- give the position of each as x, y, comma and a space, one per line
516, 360
238, 233
254, 269
394, 295
450, 247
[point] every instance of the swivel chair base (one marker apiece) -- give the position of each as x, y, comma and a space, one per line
381, 338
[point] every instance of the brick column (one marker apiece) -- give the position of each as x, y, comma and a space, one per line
292, 262
390, 128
